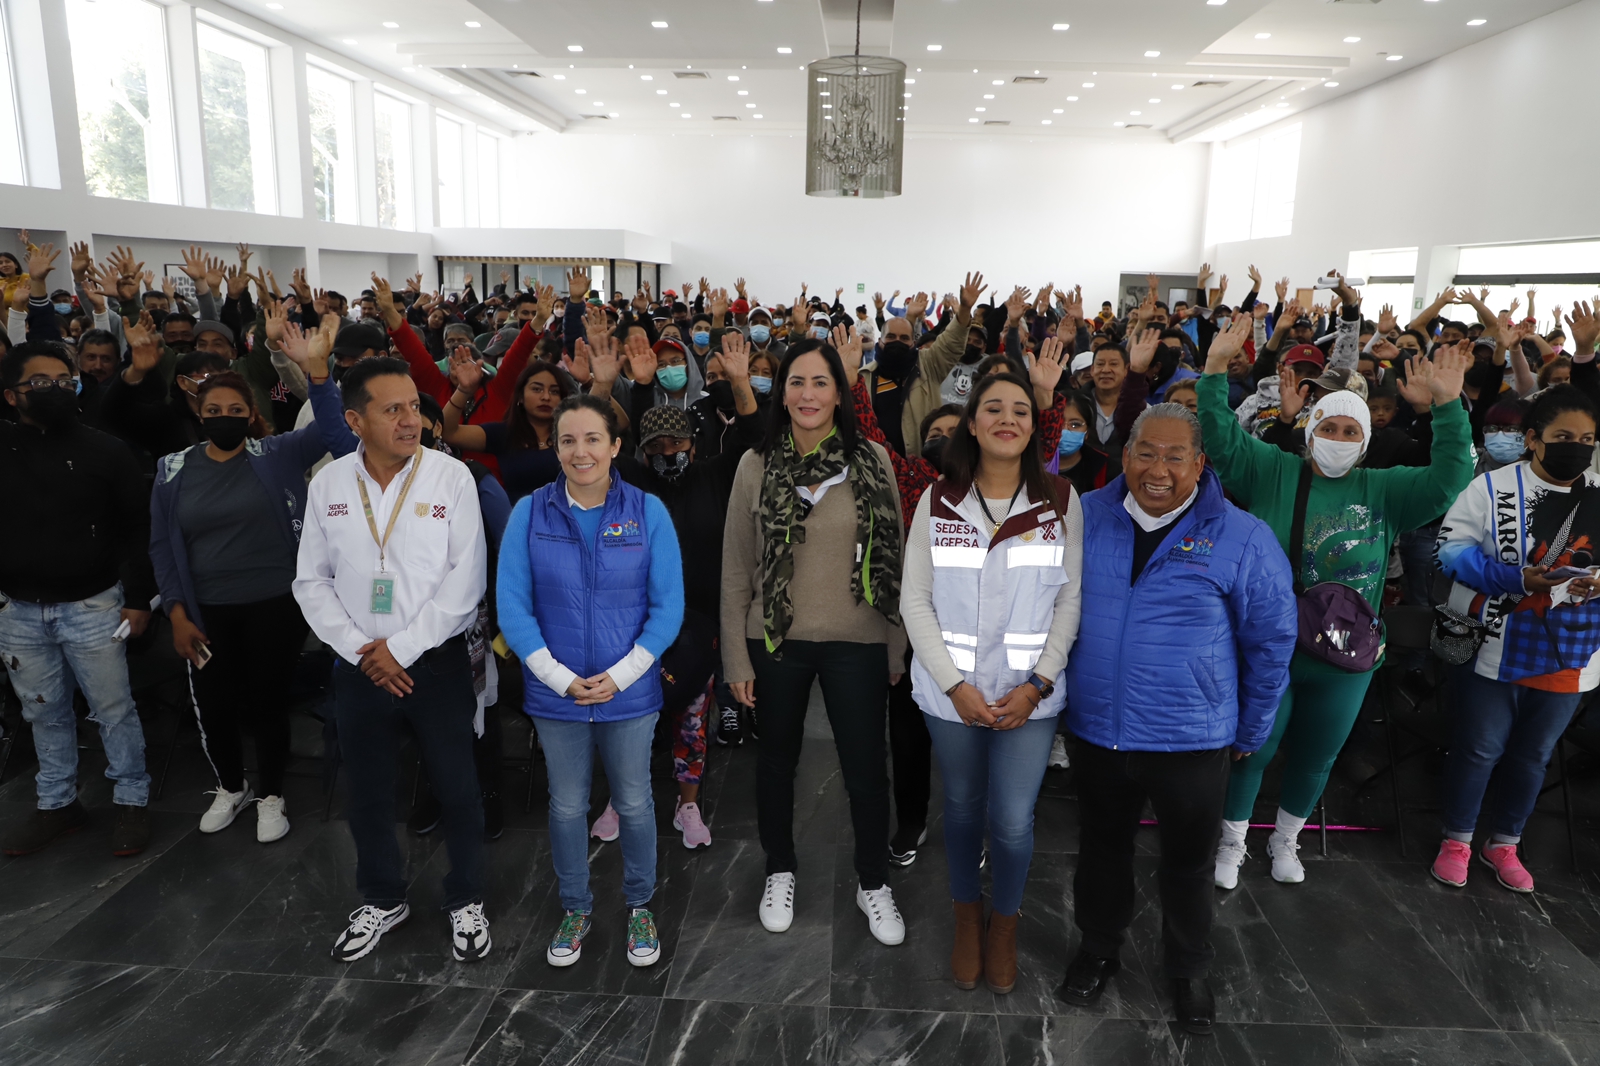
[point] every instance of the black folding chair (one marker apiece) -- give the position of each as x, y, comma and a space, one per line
1414, 710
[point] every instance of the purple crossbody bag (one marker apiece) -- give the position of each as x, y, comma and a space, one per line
1337, 624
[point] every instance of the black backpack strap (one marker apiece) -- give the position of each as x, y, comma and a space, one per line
1297, 526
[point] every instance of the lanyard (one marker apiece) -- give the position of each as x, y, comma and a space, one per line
366, 505
994, 527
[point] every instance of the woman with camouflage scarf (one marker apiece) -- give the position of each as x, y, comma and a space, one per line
811, 590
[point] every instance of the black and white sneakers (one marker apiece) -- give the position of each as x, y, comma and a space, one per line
729, 735
367, 926
903, 847
469, 931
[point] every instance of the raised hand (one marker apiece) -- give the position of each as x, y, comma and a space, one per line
169, 288
1016, 304
848, 343
1448, 296
1227, 344
383, 296
578, 283
1255, 278
641, 302
41, 261
308, 349
81, 260
275, 317
214, 273
917, 308
466, 371
972, 288
140, 333
641, 360
719, 306
302, 288
735, 356
1584, 323
546, 295
1387, 323
578, 366
1282, 289
238, 281
705, 287
505, 277
1291, 311
1203, 276
1291, 395
1142, 350
1385, 351
1347, 295
838, 293
94, 288
595, 321
1450, 364
738, 286
1048, 366
877, 299
244, 255
194, 265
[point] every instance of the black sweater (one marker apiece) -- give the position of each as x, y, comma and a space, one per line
77, 516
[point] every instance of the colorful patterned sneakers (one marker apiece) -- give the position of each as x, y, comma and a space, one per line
567, 944
1507, 867
644, 946
1450, 868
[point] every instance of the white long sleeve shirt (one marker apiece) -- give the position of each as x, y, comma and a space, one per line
436, 557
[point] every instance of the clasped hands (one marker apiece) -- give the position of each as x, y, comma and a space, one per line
1016, 707
588, 691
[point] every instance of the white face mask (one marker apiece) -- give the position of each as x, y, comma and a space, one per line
1336, 458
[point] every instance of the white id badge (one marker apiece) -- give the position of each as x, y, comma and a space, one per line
383, 593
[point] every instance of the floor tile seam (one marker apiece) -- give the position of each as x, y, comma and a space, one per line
1288, 954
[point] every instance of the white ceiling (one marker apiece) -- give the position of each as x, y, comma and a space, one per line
626, 69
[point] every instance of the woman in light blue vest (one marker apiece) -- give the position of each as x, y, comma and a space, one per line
990, 597
590, 593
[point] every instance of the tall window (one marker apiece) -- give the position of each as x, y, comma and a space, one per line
452, 187
392, 127
333, 147
1560, 274
1252, 188
119, 68
11, 169
238, 122
488, 179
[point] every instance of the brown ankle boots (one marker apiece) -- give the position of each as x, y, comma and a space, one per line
1000, 954
966, 959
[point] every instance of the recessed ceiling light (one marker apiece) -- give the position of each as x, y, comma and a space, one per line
1151, 54
613, 115
1330, 85
1135, 112
1088, 85
391, 25
1396, 59
1262, 36
1477, 22
906, 95
972, 120
580, 92
559, 77
998, 81
1155, 99
988, 96
1351, 40
733, 77
647, 77
1058, 27
275, 7
674, 104
661, 92
749, 105
1057, 110
1044, 122
911, 81
1072, 99
758, 116
785, 51
474, 25
686, 115
935, 47
980, 109
1119, 123
658, 25
1216, 3
574, 47
744, 92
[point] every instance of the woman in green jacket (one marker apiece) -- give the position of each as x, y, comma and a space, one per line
1353, 516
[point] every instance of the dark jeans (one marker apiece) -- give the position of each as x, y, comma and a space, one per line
245, 687
855, 682
440, 709
910, 752
1185, 788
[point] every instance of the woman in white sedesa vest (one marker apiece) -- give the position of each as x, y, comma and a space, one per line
990, 598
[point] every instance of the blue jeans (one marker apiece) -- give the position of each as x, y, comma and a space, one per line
1505, 730
991, 781
624, 747
41, 643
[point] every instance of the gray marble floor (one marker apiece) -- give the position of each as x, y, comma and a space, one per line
214, 949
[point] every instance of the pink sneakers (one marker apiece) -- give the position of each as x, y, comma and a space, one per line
1451, 865
1507, 867
686, 818
606, 827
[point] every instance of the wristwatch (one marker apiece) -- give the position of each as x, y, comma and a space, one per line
1045, 687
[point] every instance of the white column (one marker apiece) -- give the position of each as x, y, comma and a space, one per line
366, 151
188, 118
291, 131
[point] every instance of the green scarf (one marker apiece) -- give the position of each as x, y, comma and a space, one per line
876, 580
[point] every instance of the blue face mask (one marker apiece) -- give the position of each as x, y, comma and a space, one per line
1071, 441
672, 378
820, 332
701, 338
761, 385
760, 334
63, 309
1504, 446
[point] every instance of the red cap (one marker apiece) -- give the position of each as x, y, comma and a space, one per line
667, 342
741, 306
670, 292
1305, 353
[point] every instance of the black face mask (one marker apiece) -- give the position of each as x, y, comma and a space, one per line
337, 373
721, 393
51, 408
973, 354
671, 467
180, 347
429, 441
896, 358
933, 452
227, 432
1566, 460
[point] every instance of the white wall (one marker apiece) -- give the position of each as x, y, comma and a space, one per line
1023, 212
1490, 144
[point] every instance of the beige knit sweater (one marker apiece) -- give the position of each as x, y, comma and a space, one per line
824, 607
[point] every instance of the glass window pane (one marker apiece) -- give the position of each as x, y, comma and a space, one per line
392, 128
238, 122
11, 170
333, 149
452, 190
119, 68
488, 180
1278, 169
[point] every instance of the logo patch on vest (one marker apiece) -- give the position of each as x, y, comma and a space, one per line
630, 528
421, 510
338, 510
1196, 545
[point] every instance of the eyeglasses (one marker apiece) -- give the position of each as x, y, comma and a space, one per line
1175, 460
39, 384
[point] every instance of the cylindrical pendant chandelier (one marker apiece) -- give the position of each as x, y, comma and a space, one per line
855, 126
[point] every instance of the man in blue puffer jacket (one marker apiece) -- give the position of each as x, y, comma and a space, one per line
1189, 623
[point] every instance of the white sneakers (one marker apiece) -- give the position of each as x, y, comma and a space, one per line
1058, 753
1230, 856
272, 819
883, 917
777, 903
225, 808
469, 933
1286, 868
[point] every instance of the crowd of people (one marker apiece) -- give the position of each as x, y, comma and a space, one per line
1154, 544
